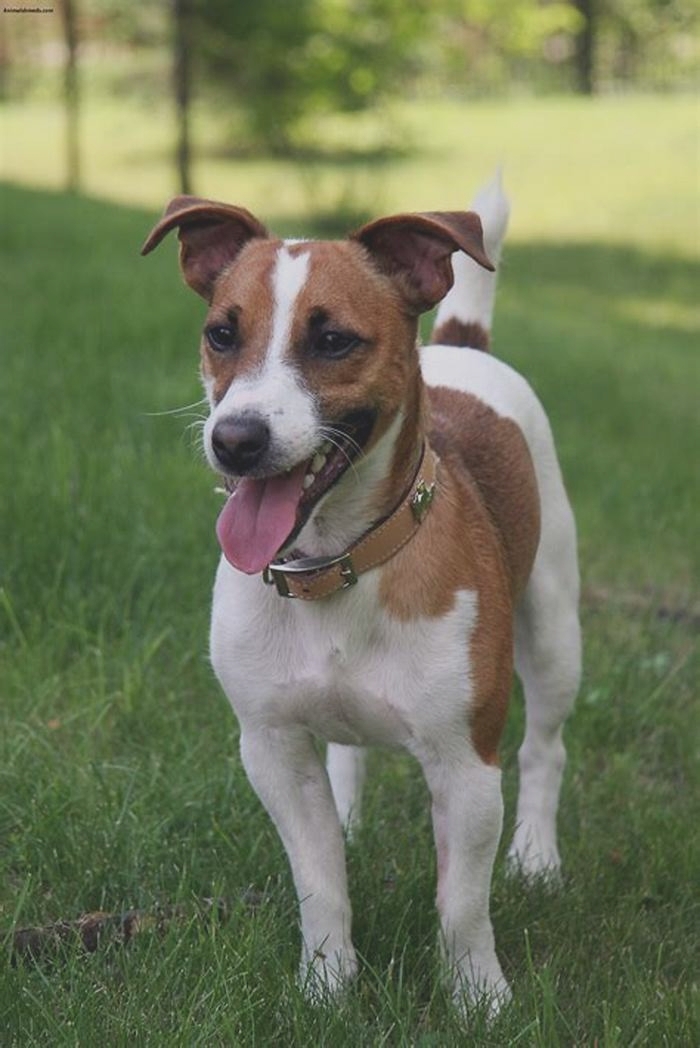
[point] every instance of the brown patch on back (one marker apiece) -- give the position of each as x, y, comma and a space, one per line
481, 534
454, 332
494, 452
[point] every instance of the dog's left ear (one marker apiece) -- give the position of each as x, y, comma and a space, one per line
211, 235
416, 248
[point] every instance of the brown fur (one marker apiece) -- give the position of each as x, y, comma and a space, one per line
244, 288
455, 332
481, 534
384, 373
416, 249
494, 452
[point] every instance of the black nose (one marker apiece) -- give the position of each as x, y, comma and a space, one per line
240, 443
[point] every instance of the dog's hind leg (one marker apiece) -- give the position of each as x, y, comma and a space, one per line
548, 662
346, 770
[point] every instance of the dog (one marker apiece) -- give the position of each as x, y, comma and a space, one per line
396, 539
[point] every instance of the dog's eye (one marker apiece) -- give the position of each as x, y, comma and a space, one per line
335, 344
222, 338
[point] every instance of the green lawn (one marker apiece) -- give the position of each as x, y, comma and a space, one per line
121, 784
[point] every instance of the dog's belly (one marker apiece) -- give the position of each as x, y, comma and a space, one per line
341, 667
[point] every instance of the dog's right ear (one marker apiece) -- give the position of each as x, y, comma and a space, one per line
210, 234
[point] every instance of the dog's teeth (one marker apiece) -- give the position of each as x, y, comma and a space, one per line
318, 462
308, 481
325, 447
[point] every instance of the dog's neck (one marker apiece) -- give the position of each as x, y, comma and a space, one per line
374, 486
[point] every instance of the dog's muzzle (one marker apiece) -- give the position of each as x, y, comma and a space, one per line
240, 443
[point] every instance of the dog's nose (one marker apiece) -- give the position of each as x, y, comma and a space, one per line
240, 443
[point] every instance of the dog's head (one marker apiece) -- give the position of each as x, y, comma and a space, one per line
308, 350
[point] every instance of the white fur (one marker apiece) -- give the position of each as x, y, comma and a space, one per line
290, 275
274, 391
346, 770
342, 670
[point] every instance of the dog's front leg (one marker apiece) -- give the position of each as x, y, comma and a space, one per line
467, 814
291, 781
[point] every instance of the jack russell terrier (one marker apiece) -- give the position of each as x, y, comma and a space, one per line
397, 535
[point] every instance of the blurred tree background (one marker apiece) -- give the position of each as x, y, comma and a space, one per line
273, 69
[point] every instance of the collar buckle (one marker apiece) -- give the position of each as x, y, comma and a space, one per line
275, 574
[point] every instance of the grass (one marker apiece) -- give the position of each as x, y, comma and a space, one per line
120, 781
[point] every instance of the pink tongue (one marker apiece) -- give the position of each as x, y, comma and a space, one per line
258, 517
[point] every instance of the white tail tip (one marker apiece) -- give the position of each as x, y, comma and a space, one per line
492, 206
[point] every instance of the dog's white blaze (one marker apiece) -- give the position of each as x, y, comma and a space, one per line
290, 275
274, 390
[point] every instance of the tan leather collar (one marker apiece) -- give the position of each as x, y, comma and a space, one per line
311, 578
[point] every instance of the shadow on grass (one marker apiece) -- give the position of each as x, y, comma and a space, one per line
621, 293
606, 269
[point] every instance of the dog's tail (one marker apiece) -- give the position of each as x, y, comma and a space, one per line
464, 315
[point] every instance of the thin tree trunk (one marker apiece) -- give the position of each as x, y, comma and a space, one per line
71, 96
182, 46
584, 56
4, 61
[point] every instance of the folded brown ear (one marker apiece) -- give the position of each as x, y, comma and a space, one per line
211, 235
417, 248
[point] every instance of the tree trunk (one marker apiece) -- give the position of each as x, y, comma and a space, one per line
4, 61
71, 95
584, 57
182, 47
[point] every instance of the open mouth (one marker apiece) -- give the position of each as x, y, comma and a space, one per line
346, 442
265, 514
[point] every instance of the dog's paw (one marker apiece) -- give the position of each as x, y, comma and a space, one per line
534, 855
324, 977
482, 989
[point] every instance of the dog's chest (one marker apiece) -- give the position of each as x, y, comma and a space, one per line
341, 667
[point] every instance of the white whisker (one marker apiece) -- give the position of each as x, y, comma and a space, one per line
338, 438
329, 430
175, 411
